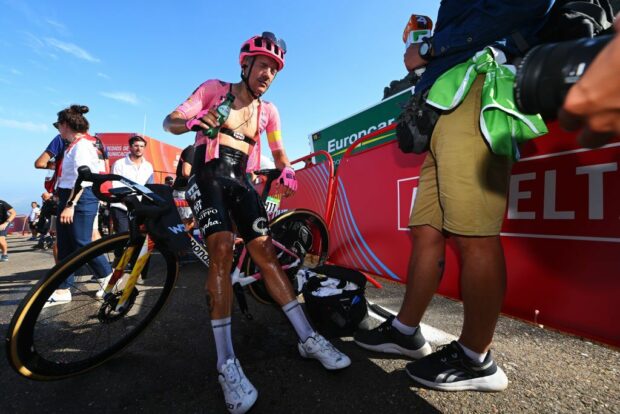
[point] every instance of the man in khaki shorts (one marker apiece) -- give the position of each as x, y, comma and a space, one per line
461, 195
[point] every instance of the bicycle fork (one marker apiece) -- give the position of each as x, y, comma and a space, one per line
131, 281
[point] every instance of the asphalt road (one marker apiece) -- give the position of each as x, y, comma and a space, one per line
171, 367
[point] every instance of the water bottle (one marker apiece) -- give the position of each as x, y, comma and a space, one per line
223, 110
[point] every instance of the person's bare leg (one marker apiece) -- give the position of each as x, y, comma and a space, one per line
311, 345
426, 266
277, 283
218, 288
483, 285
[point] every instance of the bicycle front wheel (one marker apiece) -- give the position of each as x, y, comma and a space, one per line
305, 234
51, 342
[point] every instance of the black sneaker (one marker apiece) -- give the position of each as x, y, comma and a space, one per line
449, 369
386, 338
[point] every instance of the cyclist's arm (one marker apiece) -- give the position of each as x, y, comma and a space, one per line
280, 159
197, 101
274, 137
175, 123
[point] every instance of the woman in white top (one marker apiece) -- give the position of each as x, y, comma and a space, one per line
75, 223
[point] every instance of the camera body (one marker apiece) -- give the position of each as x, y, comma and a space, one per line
547, 72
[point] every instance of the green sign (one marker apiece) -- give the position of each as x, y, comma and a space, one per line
335, 139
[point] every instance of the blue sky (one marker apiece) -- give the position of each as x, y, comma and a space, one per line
132, 61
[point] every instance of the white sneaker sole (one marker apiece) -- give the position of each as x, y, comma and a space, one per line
243, 408
331, 367
391, 348
492, 383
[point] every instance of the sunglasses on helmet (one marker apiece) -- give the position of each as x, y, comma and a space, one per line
273, 39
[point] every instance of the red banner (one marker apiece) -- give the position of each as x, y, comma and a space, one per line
561, 233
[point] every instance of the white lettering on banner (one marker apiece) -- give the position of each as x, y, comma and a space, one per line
342, 143
549, 211
595, 193
595, 187
515, 195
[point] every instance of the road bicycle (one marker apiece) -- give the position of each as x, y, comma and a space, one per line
52, 342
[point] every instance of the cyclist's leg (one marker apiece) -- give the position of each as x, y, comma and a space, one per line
208, 202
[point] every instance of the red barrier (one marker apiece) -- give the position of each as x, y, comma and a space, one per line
561, 233
19, 225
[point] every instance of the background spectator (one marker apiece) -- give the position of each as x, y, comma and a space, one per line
77, 210
7, 215
135, 168
32, 220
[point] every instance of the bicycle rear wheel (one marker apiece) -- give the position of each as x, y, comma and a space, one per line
303, 232
46, 343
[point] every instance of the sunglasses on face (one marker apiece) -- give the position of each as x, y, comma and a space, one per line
56, 124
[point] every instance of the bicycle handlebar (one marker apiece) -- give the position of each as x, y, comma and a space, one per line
271, 174
85, 174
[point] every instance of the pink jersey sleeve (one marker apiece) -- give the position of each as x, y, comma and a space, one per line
201, 98
274, 134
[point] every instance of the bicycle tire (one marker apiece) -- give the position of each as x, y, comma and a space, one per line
33, 324
319, 247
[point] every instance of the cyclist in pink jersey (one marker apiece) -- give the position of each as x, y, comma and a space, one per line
220, 193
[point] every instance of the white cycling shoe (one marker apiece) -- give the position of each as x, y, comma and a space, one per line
239, 393
321, 349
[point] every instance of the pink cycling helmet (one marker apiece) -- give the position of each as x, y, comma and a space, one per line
267, 44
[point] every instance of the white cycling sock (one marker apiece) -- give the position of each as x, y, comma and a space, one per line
402, 328
474, 356
298, 318
223, 340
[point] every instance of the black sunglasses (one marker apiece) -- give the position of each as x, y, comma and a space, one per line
56, 124
273, 39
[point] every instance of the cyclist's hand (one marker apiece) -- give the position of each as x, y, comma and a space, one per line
66, 217
288, 180
206, 119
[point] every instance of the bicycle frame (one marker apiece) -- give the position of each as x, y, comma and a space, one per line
237, 275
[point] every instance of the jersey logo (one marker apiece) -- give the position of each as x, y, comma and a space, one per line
260, 226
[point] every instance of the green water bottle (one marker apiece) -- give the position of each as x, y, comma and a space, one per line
223, 110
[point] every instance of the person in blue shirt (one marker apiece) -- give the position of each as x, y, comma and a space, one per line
55, 148
461, 195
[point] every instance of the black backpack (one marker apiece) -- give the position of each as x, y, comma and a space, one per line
336, 314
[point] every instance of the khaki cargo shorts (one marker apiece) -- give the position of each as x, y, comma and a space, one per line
463, 186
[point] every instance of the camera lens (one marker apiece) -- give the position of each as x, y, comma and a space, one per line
547, 72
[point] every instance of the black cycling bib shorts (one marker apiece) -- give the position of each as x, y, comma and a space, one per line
220, 193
